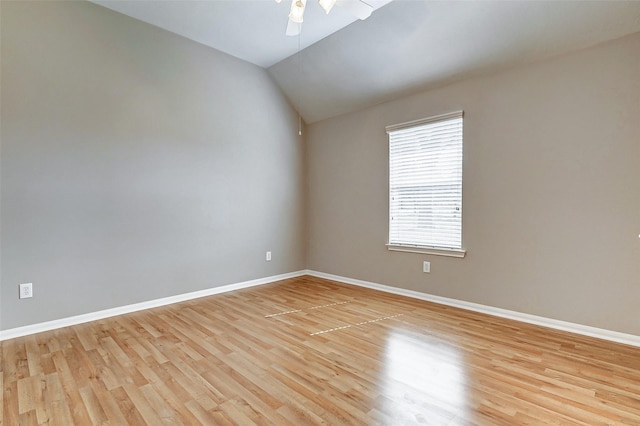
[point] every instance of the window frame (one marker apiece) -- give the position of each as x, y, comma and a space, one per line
425, 249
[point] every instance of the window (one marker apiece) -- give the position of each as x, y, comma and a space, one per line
425, 185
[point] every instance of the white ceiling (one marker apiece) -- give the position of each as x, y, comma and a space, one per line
252, 30
405, 45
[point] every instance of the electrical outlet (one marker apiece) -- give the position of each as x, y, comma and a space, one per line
426, 266
268, 256
26, 290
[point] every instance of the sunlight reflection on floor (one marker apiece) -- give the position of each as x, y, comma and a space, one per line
422, 375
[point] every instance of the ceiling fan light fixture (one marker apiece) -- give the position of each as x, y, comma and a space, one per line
327, 5
297, 11
358, 8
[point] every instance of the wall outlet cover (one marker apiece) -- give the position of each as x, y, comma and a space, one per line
26, 290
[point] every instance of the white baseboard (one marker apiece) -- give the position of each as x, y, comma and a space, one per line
93, 316
614, 336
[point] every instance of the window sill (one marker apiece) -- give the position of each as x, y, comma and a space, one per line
428, 250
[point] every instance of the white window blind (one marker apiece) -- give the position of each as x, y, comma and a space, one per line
425, 183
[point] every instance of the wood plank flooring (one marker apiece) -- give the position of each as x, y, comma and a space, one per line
312, 351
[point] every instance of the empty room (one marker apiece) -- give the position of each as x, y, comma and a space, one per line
300, 212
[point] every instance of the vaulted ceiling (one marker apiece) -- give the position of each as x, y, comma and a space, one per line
341, 64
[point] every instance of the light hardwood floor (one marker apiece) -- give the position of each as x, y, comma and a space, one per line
312, 351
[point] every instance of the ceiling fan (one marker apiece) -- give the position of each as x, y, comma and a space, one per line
357, 8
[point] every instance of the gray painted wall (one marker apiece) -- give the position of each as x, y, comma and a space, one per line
136, 164
551, 204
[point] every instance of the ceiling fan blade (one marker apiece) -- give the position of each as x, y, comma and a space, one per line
357, 8
293, 28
